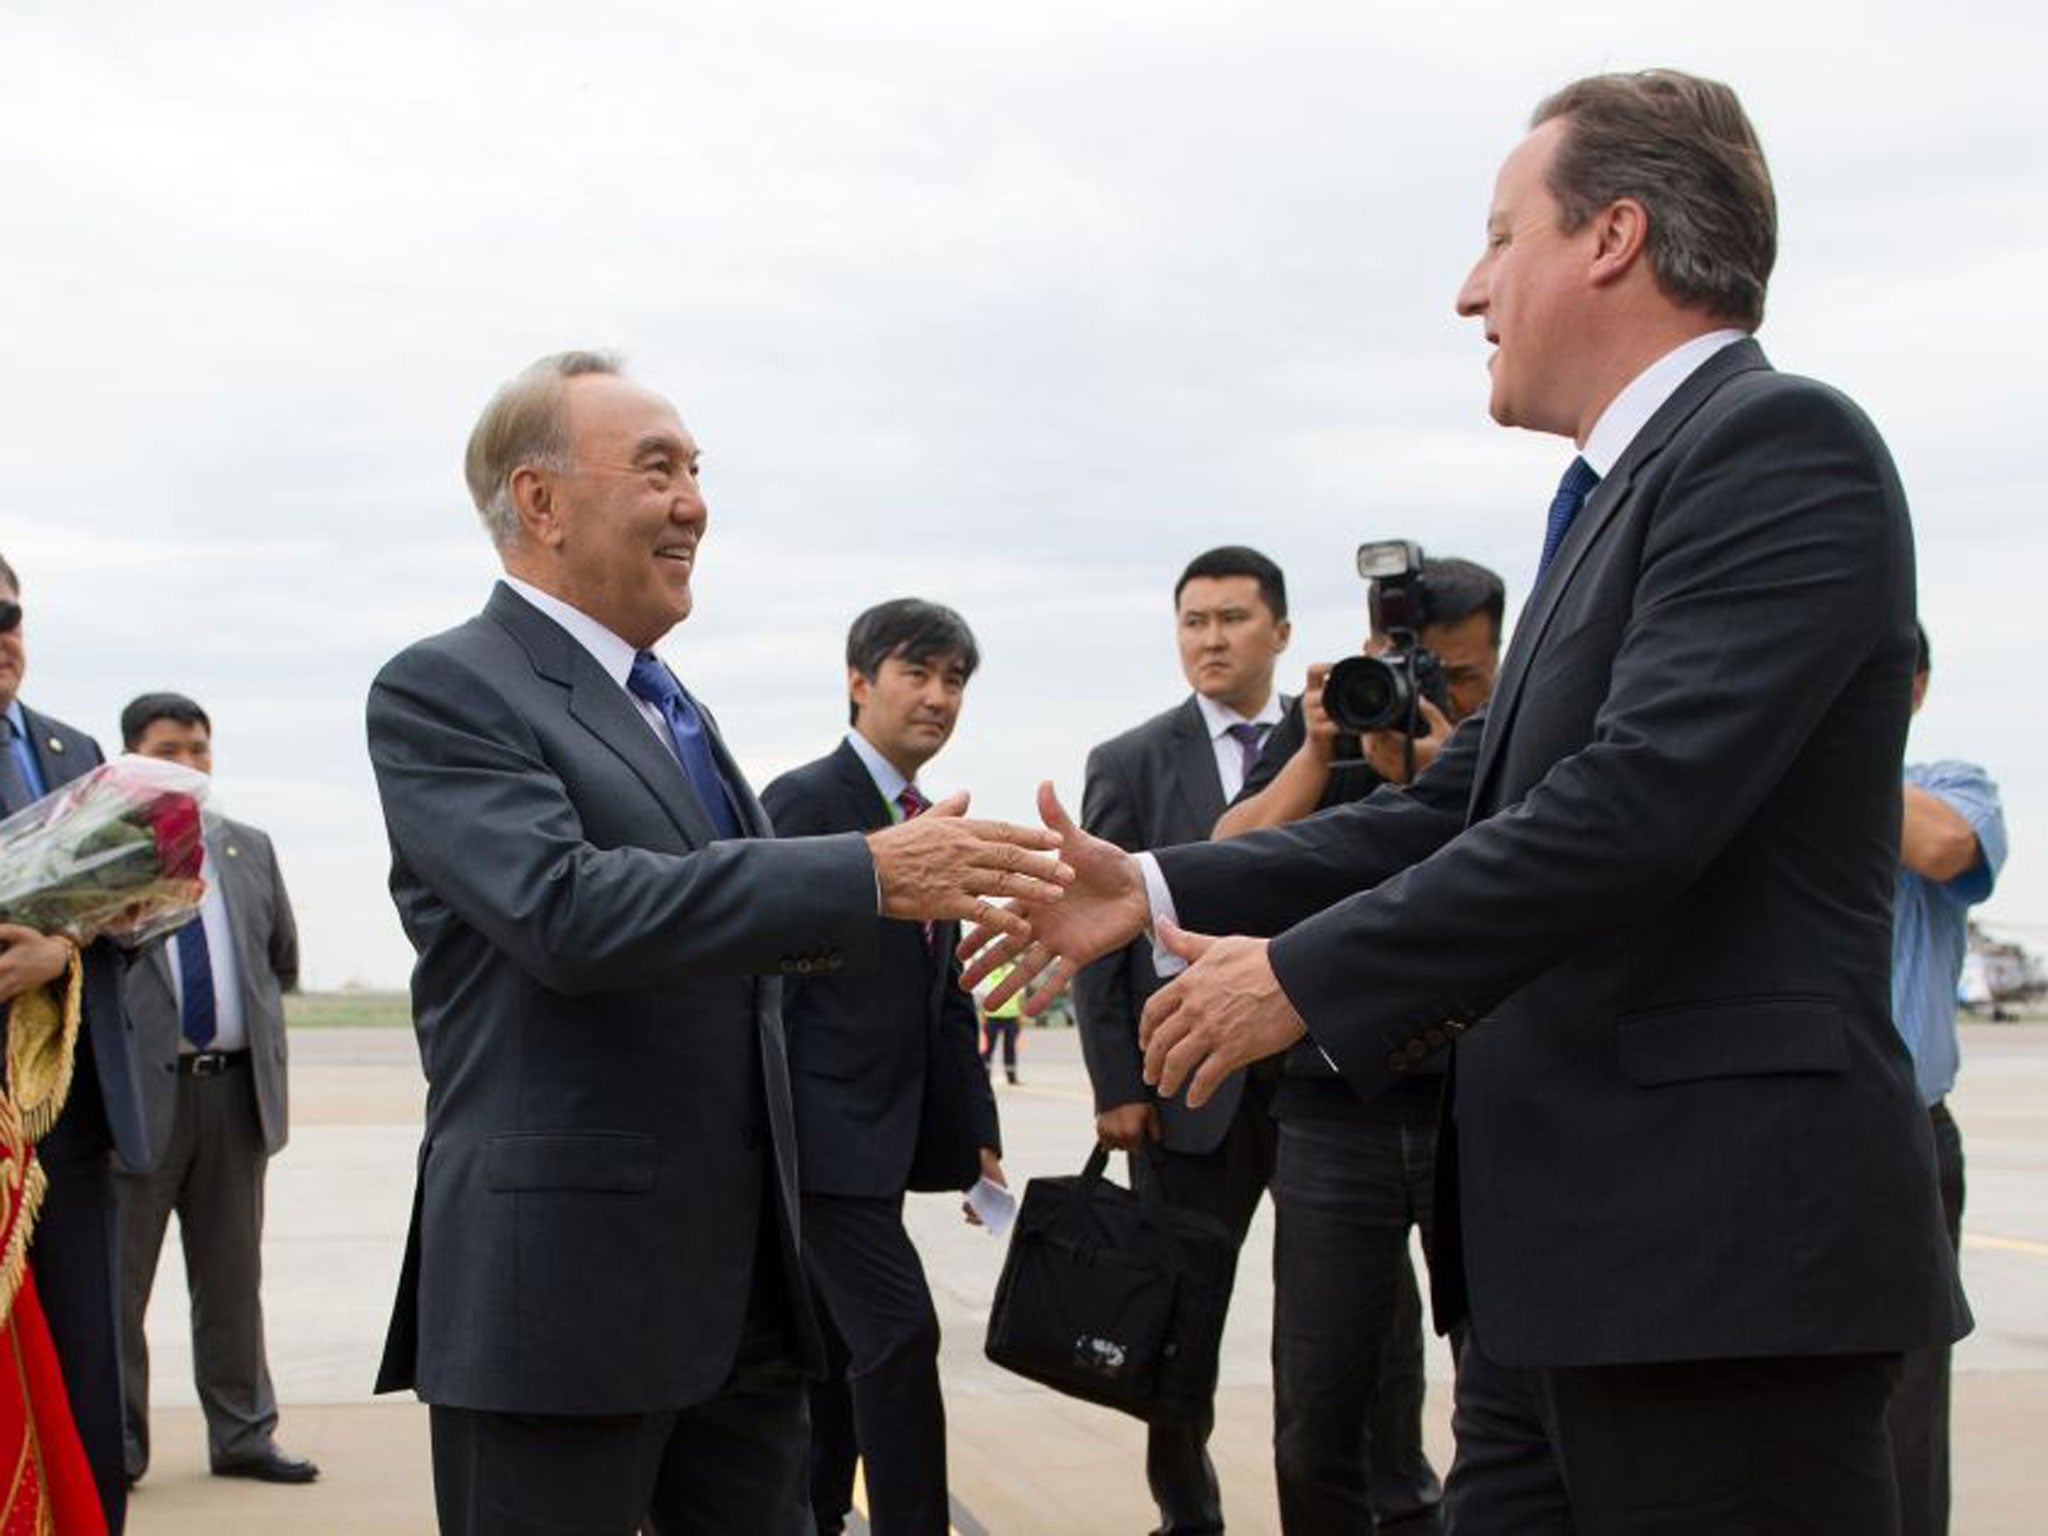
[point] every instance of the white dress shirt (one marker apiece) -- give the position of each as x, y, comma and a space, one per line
1229, 756
889, 780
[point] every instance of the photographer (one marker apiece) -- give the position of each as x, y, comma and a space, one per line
1351, 1176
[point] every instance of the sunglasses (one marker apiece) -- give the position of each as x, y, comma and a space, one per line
10, 616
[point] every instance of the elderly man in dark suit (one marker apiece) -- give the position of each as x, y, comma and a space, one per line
74, 1254
208, 1010
600, 1298
1166, 781
1686, 1191
889, 1092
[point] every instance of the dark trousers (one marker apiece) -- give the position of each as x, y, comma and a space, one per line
880, 1400
734, 1463
996, 1029
212, 1176
75, 1258
1226, 1184
1347, 1317
1919, 1412
1770, 1447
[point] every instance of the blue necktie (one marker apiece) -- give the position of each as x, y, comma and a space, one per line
195, 973
15, 792
652, 681
1572, 491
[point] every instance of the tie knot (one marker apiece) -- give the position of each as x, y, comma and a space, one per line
1246, 733
1579, 480
913, 802
652, 681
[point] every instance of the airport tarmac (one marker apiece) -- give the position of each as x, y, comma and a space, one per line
1023, 1459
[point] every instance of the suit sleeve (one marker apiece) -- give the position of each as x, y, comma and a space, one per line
1105, 1001
479, 816
1760, 594
284, 930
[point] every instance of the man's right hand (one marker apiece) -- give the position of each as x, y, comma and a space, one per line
1128, 1126
941, 865
29, 959
1102, 910
1320, 733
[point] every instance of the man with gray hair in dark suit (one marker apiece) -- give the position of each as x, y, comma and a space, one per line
601, 1299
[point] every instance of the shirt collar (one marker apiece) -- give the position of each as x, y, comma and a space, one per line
1221, 717
606, 649
890, 782
1630, 411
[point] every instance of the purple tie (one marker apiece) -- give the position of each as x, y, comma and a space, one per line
1251, 740
912, 803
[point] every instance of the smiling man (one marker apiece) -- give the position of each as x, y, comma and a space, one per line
1686, 1202
889, 1091
1165, 781
601, 1299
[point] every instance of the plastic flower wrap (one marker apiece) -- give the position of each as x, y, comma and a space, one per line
116, 852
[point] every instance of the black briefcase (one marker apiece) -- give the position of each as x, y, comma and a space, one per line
1114, 1296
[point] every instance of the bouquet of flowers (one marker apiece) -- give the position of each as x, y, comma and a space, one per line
116, 852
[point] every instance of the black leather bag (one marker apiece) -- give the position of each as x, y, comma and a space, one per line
1113, 1296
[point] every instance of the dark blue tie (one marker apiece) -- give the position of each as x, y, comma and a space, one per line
15, 792
195, 974
1572, 491
652, 681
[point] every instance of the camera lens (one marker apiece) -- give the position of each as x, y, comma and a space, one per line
1368, 693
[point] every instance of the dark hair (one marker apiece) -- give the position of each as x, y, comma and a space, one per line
1454, 590
7, 575
144, 712
1923, 658
1683, 148
915, 631
1239, 560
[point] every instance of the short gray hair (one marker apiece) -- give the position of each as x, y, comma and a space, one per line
524, 425
1683, 148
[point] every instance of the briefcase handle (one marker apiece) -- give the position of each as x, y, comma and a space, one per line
1097, 1165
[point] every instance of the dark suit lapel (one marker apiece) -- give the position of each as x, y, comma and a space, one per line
241, 887
1191, 767
864, 802
1607, 499
58, 760
604, 709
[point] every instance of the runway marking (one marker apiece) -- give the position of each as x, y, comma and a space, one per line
2006, 1244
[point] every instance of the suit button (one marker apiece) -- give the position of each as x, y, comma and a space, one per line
804, 967
1395, 1062
1436, 1037
1415, 1050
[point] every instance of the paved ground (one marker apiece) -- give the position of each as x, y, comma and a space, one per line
1023, 1460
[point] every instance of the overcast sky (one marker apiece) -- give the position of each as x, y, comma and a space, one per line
1012, 307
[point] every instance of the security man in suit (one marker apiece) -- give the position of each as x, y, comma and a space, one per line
600, 1299
75, 1247
888, 1089
1167, 781
1687, 1207
208, 1007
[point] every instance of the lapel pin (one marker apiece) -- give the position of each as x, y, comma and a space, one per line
56, 745
232, 851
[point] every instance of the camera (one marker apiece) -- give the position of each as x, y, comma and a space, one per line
1384, 693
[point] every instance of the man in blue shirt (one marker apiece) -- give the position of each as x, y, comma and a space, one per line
1951, 847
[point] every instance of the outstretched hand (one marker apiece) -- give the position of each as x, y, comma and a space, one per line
941, 865
1044, 942
1225, 1011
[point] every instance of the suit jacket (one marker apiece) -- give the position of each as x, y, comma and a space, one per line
107, 1062
266, 965
599, 1019
1153, 785
885, 1069
1648, 893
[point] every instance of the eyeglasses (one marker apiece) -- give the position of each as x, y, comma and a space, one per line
10, 616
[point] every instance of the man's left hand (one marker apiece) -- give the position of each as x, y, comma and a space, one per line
1225, 1011
992, 1170
29, 959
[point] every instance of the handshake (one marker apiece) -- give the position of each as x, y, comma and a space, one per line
1068, 898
